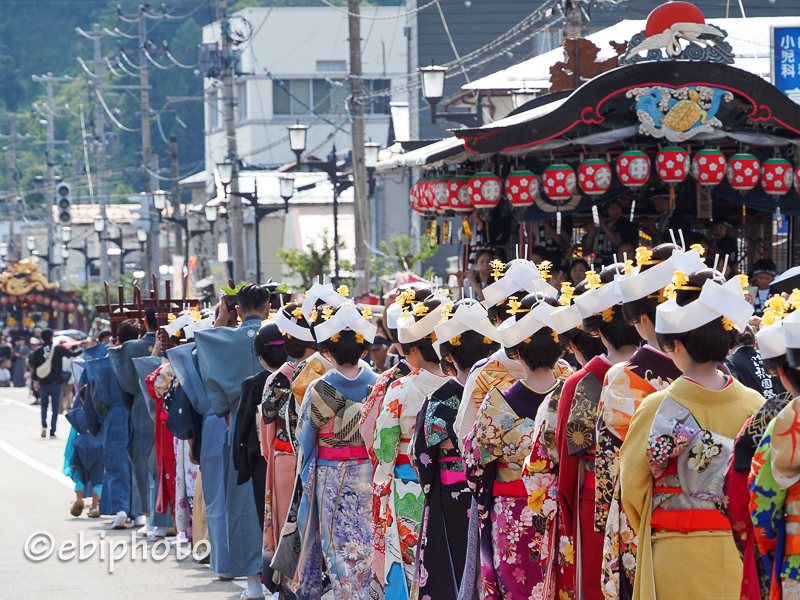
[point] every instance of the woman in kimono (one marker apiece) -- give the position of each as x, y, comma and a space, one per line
627, 384
334, 471
515, 545
395, 483
270, 345
679, 441
464, 336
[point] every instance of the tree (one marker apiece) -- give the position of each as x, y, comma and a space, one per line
311, 263
91, 293
401, 257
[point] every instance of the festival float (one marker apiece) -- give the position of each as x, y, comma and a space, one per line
28, 301
672, 117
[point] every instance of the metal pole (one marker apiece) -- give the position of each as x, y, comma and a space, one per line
258, 244
360, 206
229, 102
144, 103
86, 257
51, 180
12, 175
176, 195
335, 229
100, 143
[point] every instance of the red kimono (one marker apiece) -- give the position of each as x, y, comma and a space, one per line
165, 442
575, 439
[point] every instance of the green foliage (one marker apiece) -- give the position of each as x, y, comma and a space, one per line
400, 256
311, 263
92, 293
235, 290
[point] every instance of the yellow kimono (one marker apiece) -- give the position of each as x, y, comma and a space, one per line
673, 564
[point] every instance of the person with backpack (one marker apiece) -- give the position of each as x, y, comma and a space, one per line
49, 378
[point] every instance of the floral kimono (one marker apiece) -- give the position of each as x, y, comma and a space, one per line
626, 385
775, 502
575, 437
445, 522
279, 454
395, 483
333, 514
672, 468
369, 417
756, 579
515, 544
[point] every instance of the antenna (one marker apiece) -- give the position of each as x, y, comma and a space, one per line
725, 266
683, 242
672, 235
716, 260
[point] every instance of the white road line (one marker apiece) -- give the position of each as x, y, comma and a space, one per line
41, 467
32, 407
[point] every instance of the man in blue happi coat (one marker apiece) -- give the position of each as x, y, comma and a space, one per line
226, 359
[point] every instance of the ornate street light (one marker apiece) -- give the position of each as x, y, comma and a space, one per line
225, 171
66, 234
287, 187
371, 151
30, 243
141, 235
211, 212
99, 224
297, 139
433, 86
160, 199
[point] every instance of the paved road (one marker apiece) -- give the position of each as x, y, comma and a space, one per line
36, 496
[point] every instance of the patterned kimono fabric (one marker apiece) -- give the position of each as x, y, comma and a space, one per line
334, 512
626, 385
575, 437
186, 475
540, 476
672, 468
369, 418
395, 483
280, 457
756, 579
515, 545
445, 521
775, 502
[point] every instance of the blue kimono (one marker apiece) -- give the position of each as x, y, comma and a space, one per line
106, 398
184, 364
225, 360
141, 444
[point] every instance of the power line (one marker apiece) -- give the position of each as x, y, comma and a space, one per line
111, 115
376, 18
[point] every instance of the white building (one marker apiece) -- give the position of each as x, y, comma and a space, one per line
294, 67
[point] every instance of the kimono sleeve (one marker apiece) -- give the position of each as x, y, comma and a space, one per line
387, 433
766, 498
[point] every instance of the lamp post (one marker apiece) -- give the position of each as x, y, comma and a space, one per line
87, 260
30, 244
371, 152
297, 139
433, 86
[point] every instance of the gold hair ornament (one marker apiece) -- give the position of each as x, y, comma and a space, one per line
593, 280
544, 269
567, 292
455, 341
343, 290
515, 306
297, 313
498, 266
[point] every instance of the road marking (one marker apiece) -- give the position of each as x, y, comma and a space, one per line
41, 467
32, 407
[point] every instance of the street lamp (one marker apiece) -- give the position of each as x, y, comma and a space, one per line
297, 139
114, 251
433, 86
287, 187
371, 150
99, 224
141, 235
160, 199
64, 253
3, 250
30, 243
211, 212
225, 171
66, 234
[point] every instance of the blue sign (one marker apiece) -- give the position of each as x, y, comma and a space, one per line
786, 61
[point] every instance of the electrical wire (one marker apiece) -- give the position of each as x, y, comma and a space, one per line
376, 18
86, 157
111, 115
121, 66
161, 129
128, 60
168, 54
112, 70
155, 64
89, 72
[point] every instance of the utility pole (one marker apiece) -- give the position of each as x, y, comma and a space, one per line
100, 144
176, 196
12, 176
50, 187
360, 206
229, 103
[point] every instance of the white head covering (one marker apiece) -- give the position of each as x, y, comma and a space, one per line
393, 312
289, 326
513, 332
410, 330
520, 274
596, 300
771, 340
467, 317
326, 293
641, 284
716, 300
346, 318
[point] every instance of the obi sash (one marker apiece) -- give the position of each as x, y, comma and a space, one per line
583, 415
510, 488
450, 477
341, 454
688, 464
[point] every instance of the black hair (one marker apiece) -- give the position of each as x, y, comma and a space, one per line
543, 348
588, 345
295, 347
424, 344
793, 357
707, 343
150, 318
47, 336
747, 337
472, 347
345, 349
103, 334
252, 298
579, 261
127, 330
793, 376
611, 323
499, 312
482, 251
764, 264
647, 306
269, 345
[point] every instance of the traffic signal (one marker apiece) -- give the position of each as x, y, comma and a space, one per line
64, 203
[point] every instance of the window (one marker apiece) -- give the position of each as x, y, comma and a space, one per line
324, 95
332, 65
241, 101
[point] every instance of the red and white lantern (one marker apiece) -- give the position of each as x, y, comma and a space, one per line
439, 192
558, 182
458, 198
427, 195
522, 189
484, 190
633, 168
777, 176
672, 165
708, 167
594, 176
415, 197
742, 171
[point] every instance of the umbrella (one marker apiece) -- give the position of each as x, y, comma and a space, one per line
787, 281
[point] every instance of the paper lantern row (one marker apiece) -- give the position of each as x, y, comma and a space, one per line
38, 299
463, 193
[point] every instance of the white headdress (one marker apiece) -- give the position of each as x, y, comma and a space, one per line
347, 317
